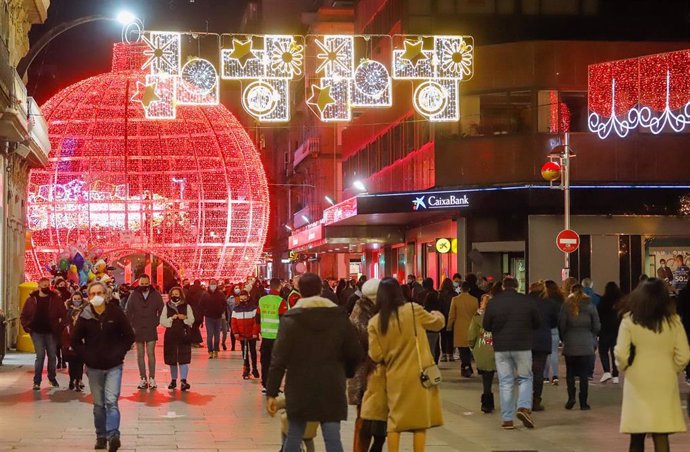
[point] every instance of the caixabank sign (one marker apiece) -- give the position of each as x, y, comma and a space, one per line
413, 202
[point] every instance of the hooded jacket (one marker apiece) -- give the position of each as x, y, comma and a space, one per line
318, 347
103, 340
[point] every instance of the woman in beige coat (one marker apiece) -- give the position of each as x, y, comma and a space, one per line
652, 349
411, 406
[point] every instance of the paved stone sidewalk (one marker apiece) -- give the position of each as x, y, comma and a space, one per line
224, 413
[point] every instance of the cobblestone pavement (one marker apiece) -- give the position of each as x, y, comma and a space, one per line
224, 413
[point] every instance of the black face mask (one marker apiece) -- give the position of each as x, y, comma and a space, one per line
45, 290
144, 288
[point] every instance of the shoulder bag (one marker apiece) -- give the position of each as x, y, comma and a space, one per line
429, 376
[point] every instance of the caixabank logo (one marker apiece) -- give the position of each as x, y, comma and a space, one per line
426, 202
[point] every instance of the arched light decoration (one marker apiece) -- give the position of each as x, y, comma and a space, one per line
339, 70
652, 92
191, 190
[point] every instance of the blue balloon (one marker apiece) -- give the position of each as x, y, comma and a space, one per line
78, 260
83, 277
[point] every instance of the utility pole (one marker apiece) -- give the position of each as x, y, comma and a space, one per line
565, 165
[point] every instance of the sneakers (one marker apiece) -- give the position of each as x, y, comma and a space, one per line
184, 386
172, 385
525, 417
554, 381
263, 390
114, 444
54, 383
585, 407
143, 384
37, 387
152, 383
255, 373
444, 358
245, 376
101, 443
508, 425
606, 377
615, 380
570, 404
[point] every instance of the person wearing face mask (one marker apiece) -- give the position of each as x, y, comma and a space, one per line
245, 328
271, 308
213, 305
230, 304
75, 305
65, 294
457, 280
43, 318
102, 337
144, 308
177, 318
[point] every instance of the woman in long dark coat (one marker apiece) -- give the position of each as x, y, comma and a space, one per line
177, 318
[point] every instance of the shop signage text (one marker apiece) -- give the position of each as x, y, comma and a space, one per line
439, 202
306, 236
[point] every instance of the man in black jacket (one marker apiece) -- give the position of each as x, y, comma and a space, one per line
213, 304
512, 318
318, 347
102, 336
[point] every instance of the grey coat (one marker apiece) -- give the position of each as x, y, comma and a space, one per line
579, 333
144, 315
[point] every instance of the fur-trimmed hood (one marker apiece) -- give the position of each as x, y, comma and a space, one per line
314, 302
314, 313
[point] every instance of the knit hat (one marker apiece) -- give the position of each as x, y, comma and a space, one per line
370, 288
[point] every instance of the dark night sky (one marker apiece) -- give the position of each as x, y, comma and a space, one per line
87, 49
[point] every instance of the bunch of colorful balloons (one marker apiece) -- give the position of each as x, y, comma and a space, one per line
80, 267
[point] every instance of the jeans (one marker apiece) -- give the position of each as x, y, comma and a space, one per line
329, 430
606, 345
184, 371
512, 366
212, 334
225, 329
552, 360
105, 388
44, 343
538, 365
266, 350
149, 353
248, 351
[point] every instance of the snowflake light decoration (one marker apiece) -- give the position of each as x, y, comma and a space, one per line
164, 52
336, 56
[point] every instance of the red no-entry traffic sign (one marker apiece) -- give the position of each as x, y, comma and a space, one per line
567, 241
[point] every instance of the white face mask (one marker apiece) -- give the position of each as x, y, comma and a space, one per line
212, 287
97, 300
237, 291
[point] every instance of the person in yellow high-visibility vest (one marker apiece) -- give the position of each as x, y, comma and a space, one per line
271, 307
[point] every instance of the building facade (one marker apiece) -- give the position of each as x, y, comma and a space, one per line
483, 172
23, 144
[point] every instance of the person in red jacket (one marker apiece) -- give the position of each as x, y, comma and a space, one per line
246, 330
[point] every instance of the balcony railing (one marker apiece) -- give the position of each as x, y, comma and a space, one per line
309, 147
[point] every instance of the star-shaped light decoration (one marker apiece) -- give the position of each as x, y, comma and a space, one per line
242, 51
146, 94
414, 52
321, 97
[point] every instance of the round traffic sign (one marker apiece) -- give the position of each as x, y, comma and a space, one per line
567, 241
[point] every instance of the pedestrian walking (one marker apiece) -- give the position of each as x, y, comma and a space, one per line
462, 309
247, 331
553, 292
102, 337
318, 348
432, 303
578, 324
396, 341
75, 305
294, 295
683, 307
230, 304
610, 318
213, 305
271, 308
177, 317
62, 289
193, 296
43, 317
513, 319
144, 309
446, 295
652, 349
482, 347
541, 348
362, 312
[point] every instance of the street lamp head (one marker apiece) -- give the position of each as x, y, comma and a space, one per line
288, 227
359, 185
305, 218
329, 200
126, 17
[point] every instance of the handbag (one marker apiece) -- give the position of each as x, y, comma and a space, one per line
429, 376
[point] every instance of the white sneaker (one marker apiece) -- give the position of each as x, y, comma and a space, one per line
143, 384
615, 380
606, 377
152, 383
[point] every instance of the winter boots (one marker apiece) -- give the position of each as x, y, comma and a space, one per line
487, 403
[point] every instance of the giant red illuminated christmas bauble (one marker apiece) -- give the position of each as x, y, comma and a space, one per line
190, 190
